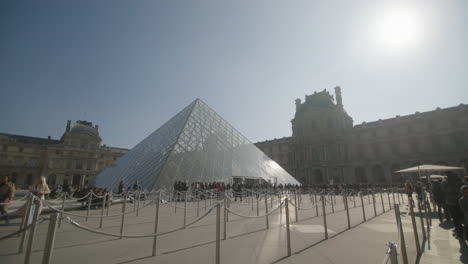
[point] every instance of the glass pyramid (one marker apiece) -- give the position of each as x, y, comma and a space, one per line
196, 145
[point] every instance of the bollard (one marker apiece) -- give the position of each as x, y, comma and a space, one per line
347, 210
295, 207
90, 200
50, 240
32, 232
415, 229
266, 212
363, 209
381, 199
288, 232
123, 213
185, 209
62, 209
373, 201
389, 203
324, 217
27, 216
402, 235
422, 220
102, 210
218, 229
156, 221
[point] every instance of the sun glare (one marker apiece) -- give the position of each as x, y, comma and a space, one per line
397, 29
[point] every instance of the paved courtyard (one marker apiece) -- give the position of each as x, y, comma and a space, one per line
247, 239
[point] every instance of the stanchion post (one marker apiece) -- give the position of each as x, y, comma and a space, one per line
90, 200
198, 206
363, 209
32, 232
266, 212
123, 213
62, 208
421, 217
325, 217
333, 207
218, 230
27, 215
109, 198
415, 229
138, 202
381, 199
50, 240
185, 209
102, 210
225, 223
354, 200
295, 207
389, 202
156, 222
373, 201
402, 235
347, 210
316, 206
288, 232
258, 209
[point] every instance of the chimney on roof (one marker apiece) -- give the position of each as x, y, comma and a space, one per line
298, 104
68, 126
96, 127
339, 101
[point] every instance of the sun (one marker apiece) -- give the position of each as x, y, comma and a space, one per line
397, 28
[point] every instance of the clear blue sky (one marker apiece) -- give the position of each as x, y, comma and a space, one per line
131, 65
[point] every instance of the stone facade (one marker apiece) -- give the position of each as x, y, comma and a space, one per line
325, 147
76, 158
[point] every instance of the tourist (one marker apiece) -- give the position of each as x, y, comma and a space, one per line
237, 190
439, 199
451, 188
40, 189
409, 189
120, 187
463, 202
7, 192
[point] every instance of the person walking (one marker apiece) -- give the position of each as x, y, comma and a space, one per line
7, 192
451, 188
40, 189
463, 202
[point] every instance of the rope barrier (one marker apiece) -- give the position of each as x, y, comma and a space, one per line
137, 236
260, 216
22, 230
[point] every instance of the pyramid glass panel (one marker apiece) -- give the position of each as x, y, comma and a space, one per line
197, 145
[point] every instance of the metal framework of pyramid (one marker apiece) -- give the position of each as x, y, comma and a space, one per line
196, 145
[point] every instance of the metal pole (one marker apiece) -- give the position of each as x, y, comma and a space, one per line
402, 235
198, 206
347, 210
102, 210
109, 198
32, 232
422, 221
24, 218
266, 212
218, 230
288, 234
393, 254
389, 203
354, 200
373, 201
258, 210
62, 209
333, 207
50, 241
393, 196
324, 217
27, 215
415, 229
185, 209
90, 200
363, 209
316, 206
138, 203
225, 222
123, 213
296, 207
381, 199
156, 221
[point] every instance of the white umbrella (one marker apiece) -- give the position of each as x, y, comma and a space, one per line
434, 177
429, 168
